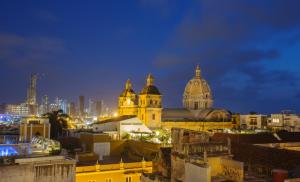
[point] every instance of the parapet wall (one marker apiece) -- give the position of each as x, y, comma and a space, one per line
46, 171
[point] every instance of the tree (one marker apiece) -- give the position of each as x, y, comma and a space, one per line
59, 123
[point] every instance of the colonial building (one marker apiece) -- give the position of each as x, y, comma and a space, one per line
195, 157
128, 101
120, 126
253, 121
197, 94
196, 114
150, 104
34, 126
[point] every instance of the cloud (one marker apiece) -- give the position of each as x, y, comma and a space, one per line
21, 50
229, 39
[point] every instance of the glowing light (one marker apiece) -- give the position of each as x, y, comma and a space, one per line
128, 101
115, 114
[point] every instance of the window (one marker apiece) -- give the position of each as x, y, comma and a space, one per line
153, 116
150, 102
128, 179
253, 121
196, 105
108, 180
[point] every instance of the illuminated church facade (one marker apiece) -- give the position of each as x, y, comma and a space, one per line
197, 112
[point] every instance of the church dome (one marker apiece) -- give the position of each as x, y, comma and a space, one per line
197, 94
150, 88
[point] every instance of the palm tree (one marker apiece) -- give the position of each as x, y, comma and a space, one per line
59, 123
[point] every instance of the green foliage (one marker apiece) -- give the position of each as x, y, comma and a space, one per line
163, 136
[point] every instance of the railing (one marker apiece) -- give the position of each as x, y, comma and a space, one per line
9, 139
111, 167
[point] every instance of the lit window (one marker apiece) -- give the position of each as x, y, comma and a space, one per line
108, 180
128, 179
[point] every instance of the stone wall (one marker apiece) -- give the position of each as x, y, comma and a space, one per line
46, 171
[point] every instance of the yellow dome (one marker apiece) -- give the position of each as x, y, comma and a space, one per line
197, 94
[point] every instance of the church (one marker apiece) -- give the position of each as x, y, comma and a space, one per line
197, 112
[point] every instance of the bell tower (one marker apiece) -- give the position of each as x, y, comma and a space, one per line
127, 101
150, 104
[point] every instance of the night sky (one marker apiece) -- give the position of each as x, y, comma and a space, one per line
248, 51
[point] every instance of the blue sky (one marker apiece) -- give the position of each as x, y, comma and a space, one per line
248, 50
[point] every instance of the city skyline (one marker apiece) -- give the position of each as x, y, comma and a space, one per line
249, 60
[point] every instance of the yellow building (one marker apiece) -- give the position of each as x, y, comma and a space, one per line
150, 106
31, 126
117, 172
236, 120
128, 101
197, 112
138, 160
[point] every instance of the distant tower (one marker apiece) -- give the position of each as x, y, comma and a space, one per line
31, 92
99, 108
128, 101
31, 95
150, 104
45, 105
71, 109
81, 105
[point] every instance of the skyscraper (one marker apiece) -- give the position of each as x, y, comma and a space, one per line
31, 92
99, 107
31, 95
71, 109
45, 105
81, 105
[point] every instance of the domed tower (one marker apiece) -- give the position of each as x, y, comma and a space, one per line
197, 94
150, 104
128, 101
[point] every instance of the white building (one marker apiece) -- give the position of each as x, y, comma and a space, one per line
17, 109
289, 122
253, 121
121, 125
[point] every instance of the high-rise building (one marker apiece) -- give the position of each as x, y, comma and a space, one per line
92, 108
31, 95
71, 109
2, 108
81, 105
17, 109
99, 107
44, 107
